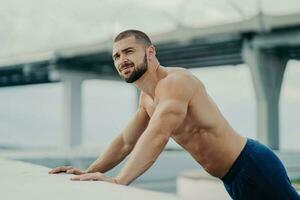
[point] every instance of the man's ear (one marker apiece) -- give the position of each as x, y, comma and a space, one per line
151, 52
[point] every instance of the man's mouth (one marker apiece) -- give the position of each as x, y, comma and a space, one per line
126, 71
126, 67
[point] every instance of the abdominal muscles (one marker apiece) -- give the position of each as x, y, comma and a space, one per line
209, 147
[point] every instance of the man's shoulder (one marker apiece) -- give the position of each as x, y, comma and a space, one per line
179, 78
180, 82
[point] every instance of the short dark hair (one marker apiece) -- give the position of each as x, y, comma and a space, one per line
139, 35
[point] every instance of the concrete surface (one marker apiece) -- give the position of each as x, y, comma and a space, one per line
24, 181
193, 184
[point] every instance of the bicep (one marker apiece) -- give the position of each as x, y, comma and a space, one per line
168, 115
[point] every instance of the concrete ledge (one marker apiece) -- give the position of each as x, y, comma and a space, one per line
193, 184
21, 180
83, 157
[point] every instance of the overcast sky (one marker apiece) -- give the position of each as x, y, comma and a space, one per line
33, 26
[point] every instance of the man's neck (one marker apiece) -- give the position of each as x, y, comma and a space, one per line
148, 82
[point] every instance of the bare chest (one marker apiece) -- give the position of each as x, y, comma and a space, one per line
185, 129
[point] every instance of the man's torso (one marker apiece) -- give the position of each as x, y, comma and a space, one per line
204, 133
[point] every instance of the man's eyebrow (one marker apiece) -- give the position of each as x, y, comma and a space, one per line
128, 48
115, 55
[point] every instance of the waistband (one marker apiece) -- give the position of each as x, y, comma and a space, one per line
239, 162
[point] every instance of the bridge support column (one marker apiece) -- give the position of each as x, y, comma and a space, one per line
138, 93
267, 69
72, 106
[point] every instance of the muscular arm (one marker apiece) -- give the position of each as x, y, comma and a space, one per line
172, 102
122, 145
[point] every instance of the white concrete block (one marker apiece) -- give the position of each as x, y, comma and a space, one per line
197, 184
26, 181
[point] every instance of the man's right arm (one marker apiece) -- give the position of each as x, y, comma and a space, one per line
121, 146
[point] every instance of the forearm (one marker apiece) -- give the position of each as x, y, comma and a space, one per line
113, 155
143, 156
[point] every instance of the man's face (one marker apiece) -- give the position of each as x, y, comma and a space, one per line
130, 59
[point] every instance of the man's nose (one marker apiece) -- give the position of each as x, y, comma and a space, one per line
123, 59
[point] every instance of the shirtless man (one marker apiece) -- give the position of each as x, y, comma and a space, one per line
174, 104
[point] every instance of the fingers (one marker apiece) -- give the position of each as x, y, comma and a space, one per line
83, 177
60, 169
74, 171
87, 177
97, 176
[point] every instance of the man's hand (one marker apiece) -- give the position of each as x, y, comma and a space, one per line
67, 169
97, 176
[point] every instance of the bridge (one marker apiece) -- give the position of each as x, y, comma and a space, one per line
265, 43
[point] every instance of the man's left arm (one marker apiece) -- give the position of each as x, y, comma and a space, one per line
169, 113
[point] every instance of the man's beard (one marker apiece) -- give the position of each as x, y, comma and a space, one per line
137, 72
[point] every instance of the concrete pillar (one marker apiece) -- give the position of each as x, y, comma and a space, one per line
267, 69
138, 93
72, 136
